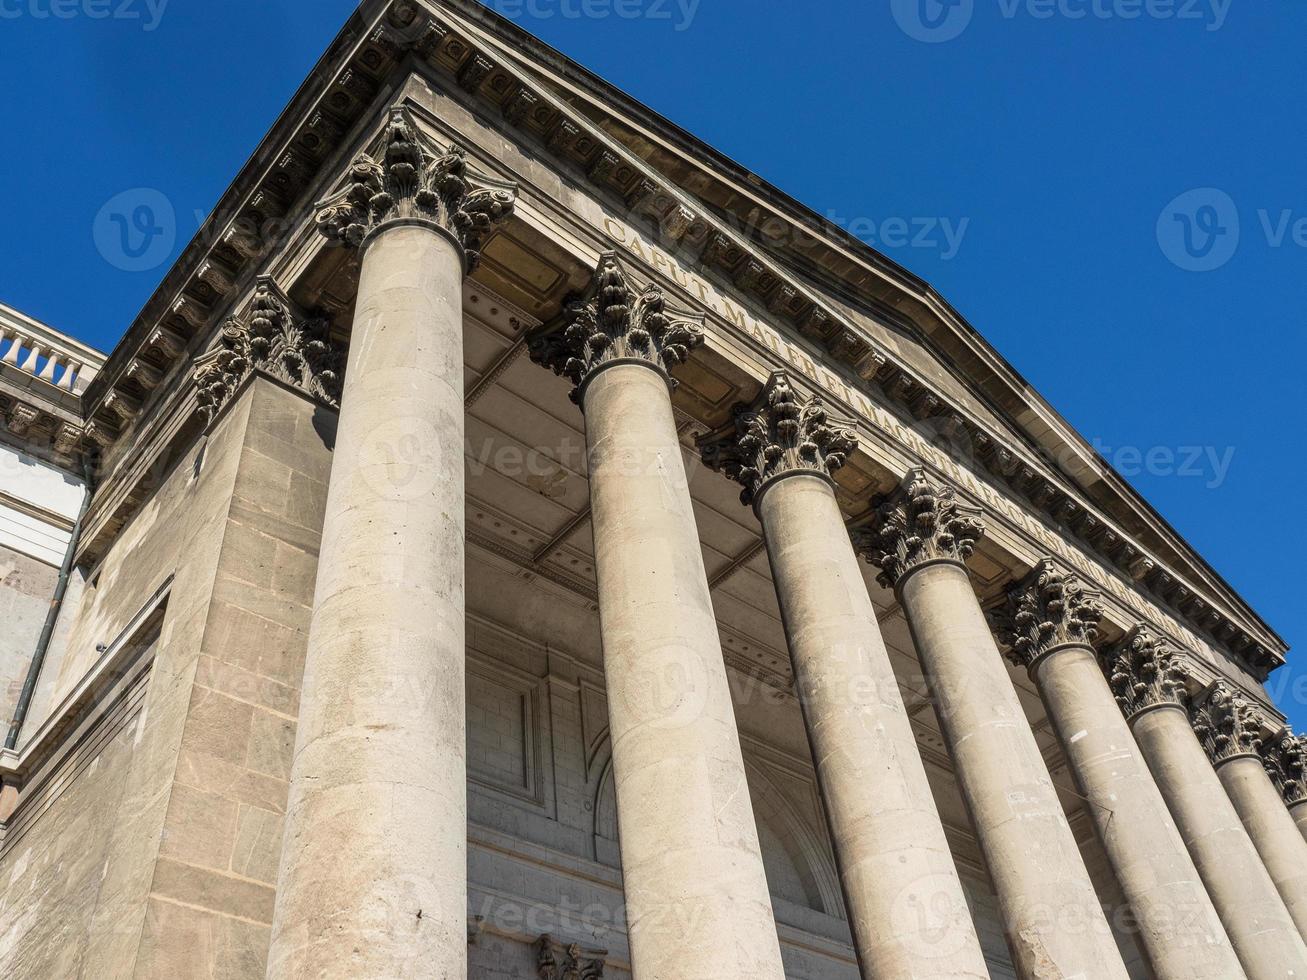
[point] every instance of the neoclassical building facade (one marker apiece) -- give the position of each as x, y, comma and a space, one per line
514, 541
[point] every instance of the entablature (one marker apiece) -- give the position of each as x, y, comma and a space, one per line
564, 160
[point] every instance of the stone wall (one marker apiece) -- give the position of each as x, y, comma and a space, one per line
188, 826
26, 587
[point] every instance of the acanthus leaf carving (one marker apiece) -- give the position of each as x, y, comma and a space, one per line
1285, 759
614, 321
1144, 671
1226, 724
274, 338
1049, 608
919, 523
413, 179
556, 961
781, 432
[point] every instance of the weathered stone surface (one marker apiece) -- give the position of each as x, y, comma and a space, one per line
1256, 919
1037, 869
374, 868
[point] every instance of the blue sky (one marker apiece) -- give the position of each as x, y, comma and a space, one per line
1037, 160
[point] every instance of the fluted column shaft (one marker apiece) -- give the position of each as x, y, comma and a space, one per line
373, 878
1179, 930
1277, 837
905, 901
1051, 913
1256, 920
1299, 813
696, 893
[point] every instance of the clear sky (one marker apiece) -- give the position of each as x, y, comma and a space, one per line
1033, 159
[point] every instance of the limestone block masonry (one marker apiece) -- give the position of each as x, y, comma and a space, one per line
374, 657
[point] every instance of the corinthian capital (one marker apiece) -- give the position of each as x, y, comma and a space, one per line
1226, 724
415, 180
780, 433
615, 322
1049, 608
1144, 672
1285, 758
920, 523
274, 338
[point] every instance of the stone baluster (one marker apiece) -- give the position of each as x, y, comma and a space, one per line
1285, 757
373, 875
906, 906
1228, 728
71, 371
1049, 624
1146, 677
51, 366
15, 348
696, 893
1054, 922
33, 356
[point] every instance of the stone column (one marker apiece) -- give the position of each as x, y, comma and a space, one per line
1285, 757
1053, 919
1146, 677
1049, 624
696, 894
373, 876
906, 906
1229, 730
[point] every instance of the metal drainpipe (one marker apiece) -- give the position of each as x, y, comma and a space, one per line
47, 631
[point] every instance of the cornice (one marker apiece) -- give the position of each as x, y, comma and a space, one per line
481, 55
